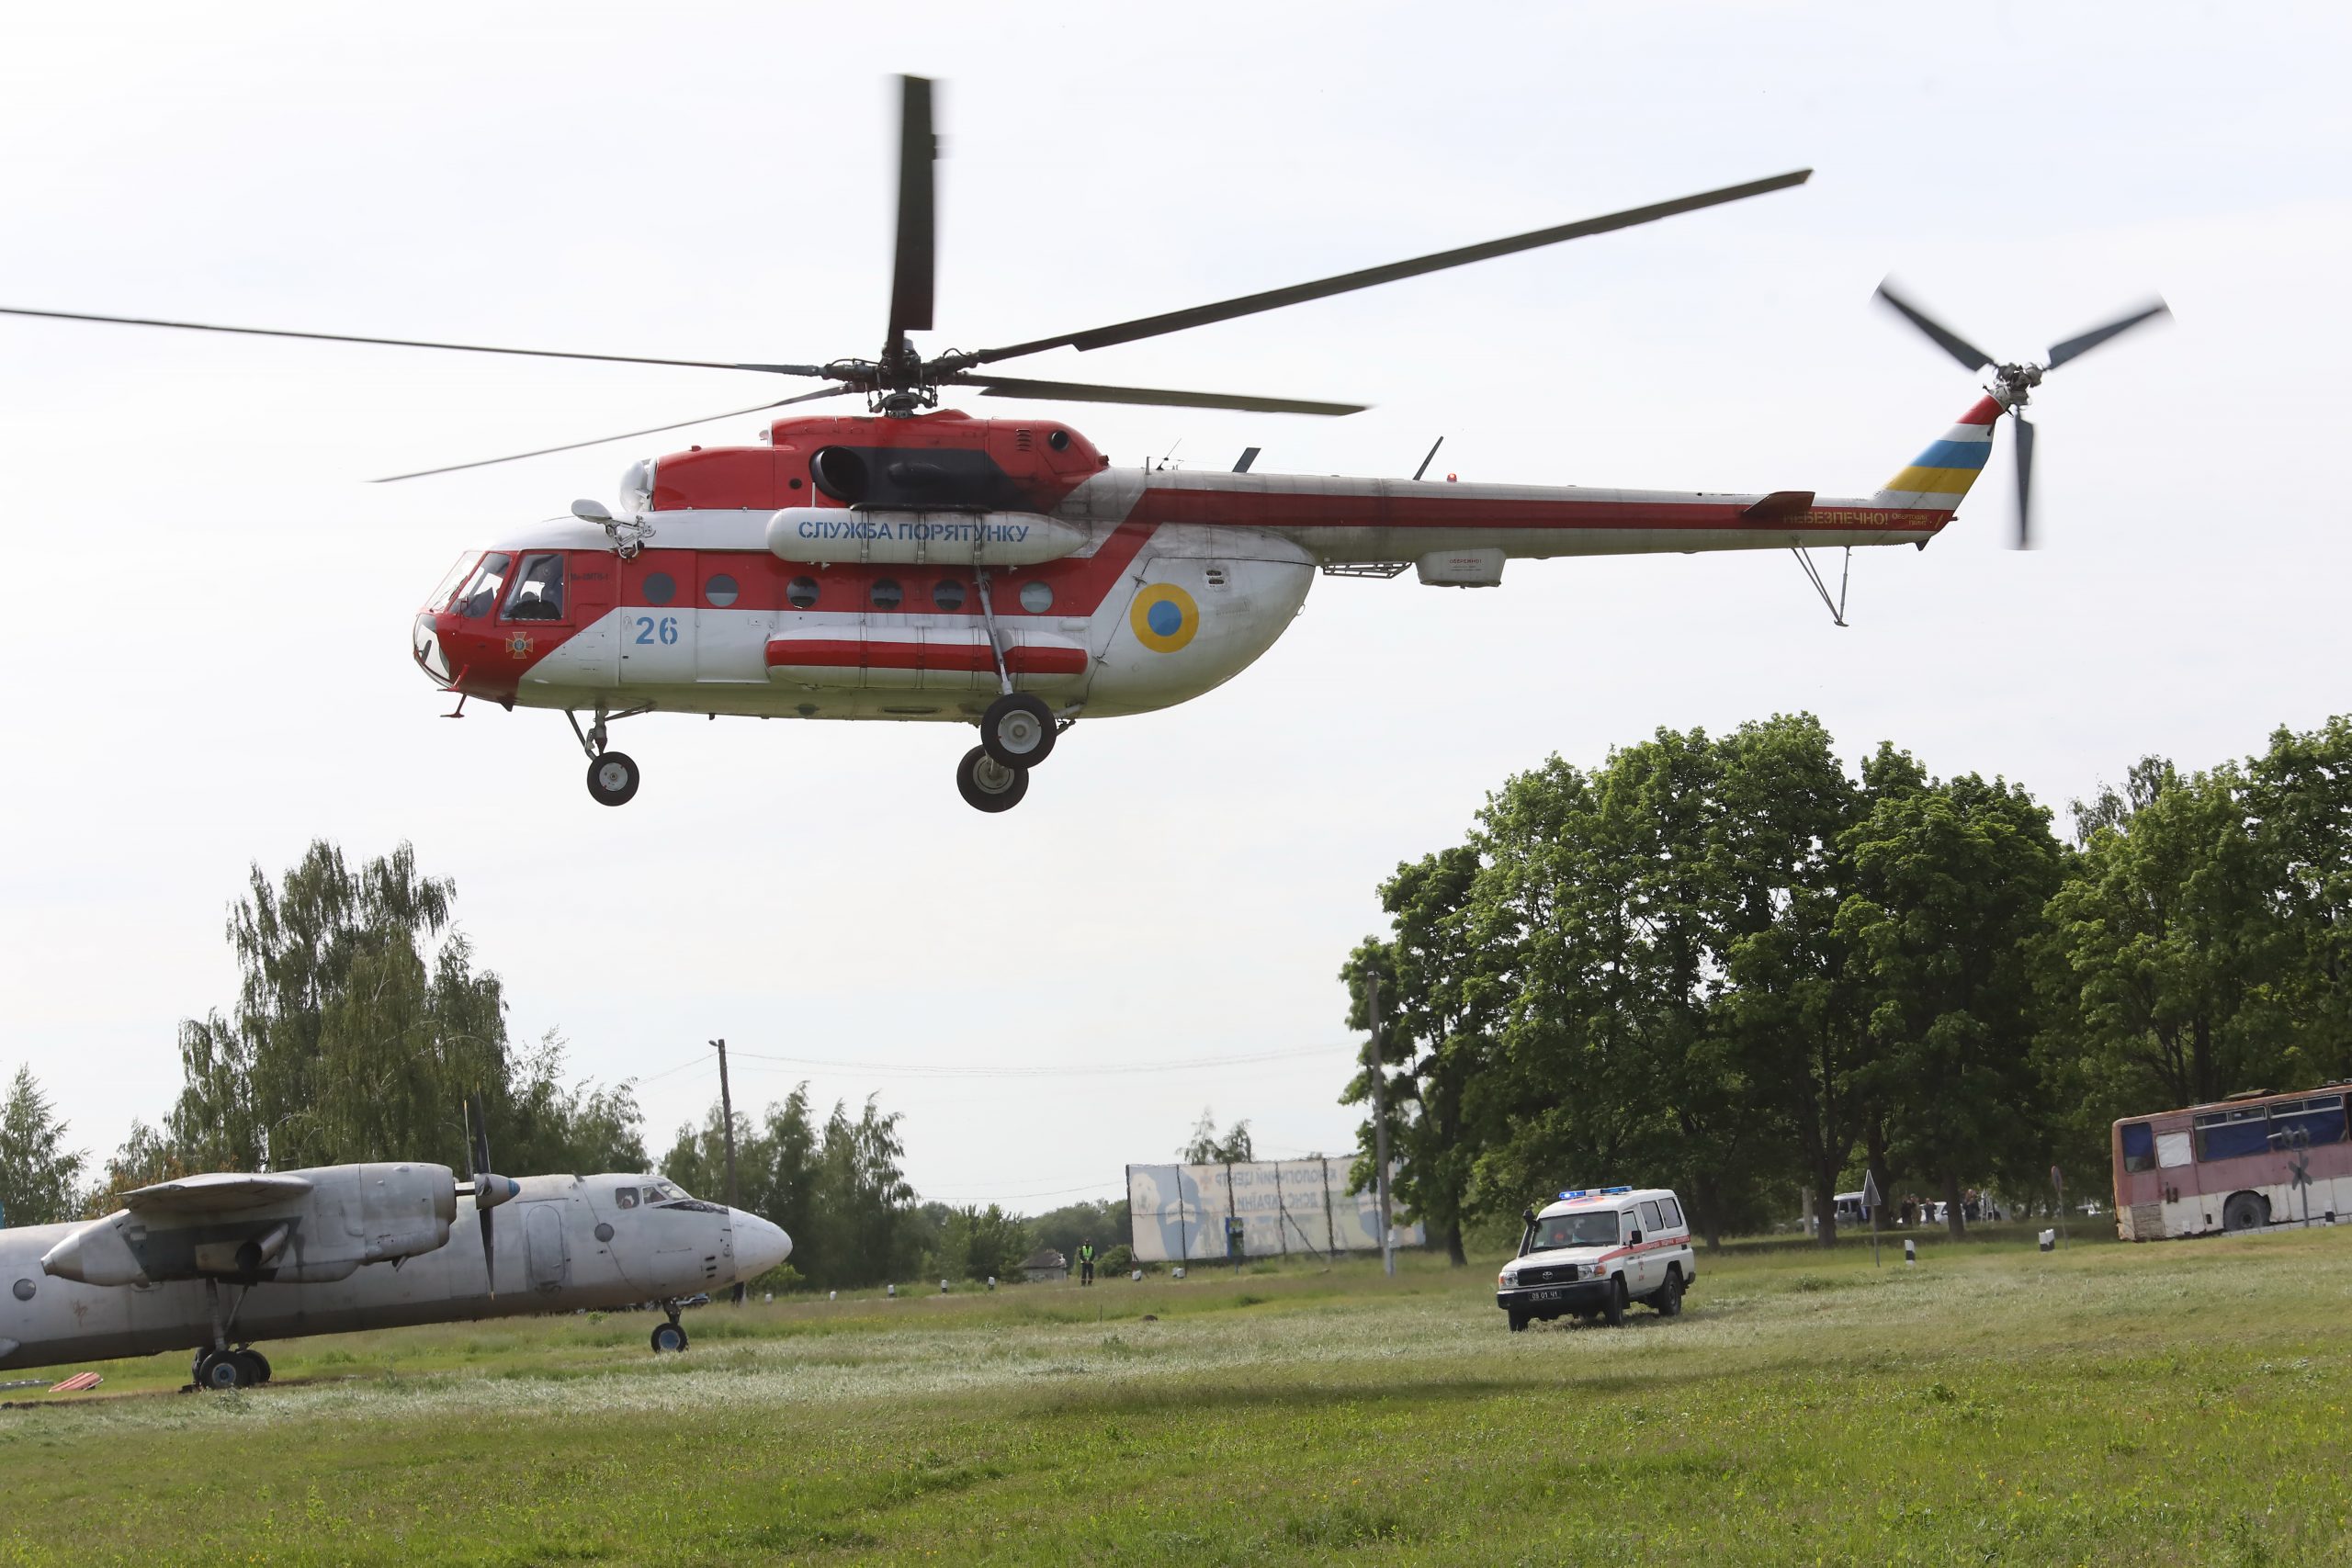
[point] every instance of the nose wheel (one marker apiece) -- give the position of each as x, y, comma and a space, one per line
612, 778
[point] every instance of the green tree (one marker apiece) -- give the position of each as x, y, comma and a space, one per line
1206, 1147
38, 1173
2299, 791
1950, 885
980, 1243
1102, 1221
838, 1191
1441, 1000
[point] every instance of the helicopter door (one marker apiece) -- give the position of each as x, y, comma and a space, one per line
657, 619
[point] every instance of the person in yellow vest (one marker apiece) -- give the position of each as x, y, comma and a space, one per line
1086, 1262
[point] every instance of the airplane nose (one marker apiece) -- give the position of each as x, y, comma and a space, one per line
759, 1246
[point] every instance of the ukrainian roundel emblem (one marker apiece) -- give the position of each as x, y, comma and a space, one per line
1164, 617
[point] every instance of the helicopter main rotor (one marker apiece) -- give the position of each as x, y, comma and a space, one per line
901, 381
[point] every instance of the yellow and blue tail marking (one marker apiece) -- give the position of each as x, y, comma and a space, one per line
1938, 477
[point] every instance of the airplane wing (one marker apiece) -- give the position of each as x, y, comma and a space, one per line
218, 1191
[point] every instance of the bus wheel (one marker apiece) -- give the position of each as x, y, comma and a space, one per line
2244, 1211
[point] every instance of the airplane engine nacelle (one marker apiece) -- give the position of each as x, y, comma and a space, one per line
347, 1216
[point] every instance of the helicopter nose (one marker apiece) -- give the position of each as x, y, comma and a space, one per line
425, 647
759, 1246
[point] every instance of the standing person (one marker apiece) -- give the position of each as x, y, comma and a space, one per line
1086, 1261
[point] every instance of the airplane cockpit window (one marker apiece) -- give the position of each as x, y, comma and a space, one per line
625, 1197
663, 1192
538, 590
478, 594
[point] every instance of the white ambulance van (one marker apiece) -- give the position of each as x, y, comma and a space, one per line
1595, 1252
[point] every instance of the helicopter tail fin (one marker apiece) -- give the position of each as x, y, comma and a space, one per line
1937, 478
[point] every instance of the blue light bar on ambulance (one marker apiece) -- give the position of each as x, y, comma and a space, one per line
1616, 1190
1579, 1192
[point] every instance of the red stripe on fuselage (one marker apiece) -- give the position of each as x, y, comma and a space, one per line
961, 657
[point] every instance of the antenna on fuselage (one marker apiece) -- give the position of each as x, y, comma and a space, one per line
1430, 458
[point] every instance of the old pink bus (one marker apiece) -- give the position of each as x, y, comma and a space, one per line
2231, 1166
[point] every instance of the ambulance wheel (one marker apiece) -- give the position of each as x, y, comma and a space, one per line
668, 1339
988, 785
1615, 1311
1018, 730
612, 779
1668, 1298
1518, 1323
2243, 1211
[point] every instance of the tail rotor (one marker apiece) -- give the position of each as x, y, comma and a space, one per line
2013, 383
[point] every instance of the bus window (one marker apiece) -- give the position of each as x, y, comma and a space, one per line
2319, 1119
2139, 1146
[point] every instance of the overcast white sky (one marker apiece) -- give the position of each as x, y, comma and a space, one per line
211, 638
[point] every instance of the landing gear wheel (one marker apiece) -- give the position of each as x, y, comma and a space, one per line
1018, 730
669, 1338
222, 1369
1668, 1300
988, 785
253, 1365
1518, 1323
1615, 1311
612, 778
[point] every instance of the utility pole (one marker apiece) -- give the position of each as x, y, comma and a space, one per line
727, 1121
1380, 1122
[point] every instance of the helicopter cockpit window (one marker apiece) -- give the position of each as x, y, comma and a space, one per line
439, 601
538, 590
480, 592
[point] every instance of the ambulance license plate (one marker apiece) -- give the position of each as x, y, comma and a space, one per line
1546, 1296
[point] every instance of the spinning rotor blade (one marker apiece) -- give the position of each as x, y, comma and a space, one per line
601, 440
1951, 342
477, 1156
912, 268
1345, 283
2075, 346
1085, 392
2025, 483
407, 342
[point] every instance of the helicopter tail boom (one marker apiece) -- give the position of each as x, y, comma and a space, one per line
1938, 477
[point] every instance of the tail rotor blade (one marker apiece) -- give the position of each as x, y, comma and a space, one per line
2074, 347
2025, 483
1951, 342
912, 272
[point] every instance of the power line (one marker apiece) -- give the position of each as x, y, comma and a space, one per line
923, 1069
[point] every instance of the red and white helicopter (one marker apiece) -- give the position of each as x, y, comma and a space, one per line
917, 563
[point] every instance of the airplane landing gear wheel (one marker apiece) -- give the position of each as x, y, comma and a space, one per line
259, 1365
988, 785
223, 1370
669, 1338
1018, 730
612, 778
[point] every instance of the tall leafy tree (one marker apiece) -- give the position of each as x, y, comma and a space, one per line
2299, 791
1442, 999
1950, 885
39, 1175
836, 1190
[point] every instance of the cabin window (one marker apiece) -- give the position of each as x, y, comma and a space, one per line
660, 588
948, 595
1650, 1220
719, 592
538, 590
478, 594
1673, 1213
24, 1290
2319, 1119
625, 1197
2139, 1146
801, 592
1036, 597
2233, 1134
885, 593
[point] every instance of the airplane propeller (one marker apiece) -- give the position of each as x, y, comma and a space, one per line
901, 381
2013, 384
489, 1190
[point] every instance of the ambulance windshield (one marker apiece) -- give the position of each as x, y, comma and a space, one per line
1594, 1227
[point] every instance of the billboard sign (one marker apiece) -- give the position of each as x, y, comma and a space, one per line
1180, 1213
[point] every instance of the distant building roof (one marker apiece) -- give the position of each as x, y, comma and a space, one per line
1044, 1257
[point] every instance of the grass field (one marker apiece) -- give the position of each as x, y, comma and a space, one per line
2176, 1403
